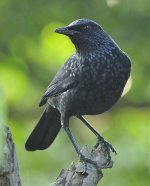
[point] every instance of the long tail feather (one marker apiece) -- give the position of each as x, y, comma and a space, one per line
45, 131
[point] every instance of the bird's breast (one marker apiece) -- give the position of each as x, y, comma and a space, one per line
100, 84
99, 89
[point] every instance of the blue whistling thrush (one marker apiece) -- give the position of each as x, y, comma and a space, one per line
90, 82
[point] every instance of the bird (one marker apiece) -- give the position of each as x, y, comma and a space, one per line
89, 83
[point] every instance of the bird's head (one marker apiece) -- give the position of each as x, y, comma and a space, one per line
84, 33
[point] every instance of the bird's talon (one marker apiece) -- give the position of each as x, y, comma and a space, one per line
96, 145
87, 160
107, 145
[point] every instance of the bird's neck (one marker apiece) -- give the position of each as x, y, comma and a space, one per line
99, 44
100, 49
85, 50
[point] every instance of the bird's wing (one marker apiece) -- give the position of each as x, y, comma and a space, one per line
63, 81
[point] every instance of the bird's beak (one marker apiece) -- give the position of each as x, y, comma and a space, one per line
66, 31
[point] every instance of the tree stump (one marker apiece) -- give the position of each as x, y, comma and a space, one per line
9, 172
81, 174
78, 174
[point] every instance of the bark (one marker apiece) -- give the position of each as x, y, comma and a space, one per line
9, 172
78, 174
81, 174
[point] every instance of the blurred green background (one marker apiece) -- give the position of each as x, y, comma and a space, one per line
30, 55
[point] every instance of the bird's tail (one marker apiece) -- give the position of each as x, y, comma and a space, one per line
45, 131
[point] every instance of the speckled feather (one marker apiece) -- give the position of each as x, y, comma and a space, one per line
92, 79
90, 82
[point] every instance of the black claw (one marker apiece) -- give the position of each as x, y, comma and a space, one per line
110, 147
100, 140
107, 145
87, 160
97, 144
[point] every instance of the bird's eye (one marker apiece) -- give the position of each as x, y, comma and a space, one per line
85, 27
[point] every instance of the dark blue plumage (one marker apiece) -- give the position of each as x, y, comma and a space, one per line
90, 82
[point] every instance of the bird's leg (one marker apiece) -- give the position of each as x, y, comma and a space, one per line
65, 126
100, 138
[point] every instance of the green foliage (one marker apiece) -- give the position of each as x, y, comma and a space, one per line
30, 55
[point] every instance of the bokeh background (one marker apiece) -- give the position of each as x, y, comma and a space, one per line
30, 55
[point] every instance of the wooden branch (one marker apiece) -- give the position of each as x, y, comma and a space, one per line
79, 174
9, 173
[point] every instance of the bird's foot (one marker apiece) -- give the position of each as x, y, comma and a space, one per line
107, 145
86, 160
